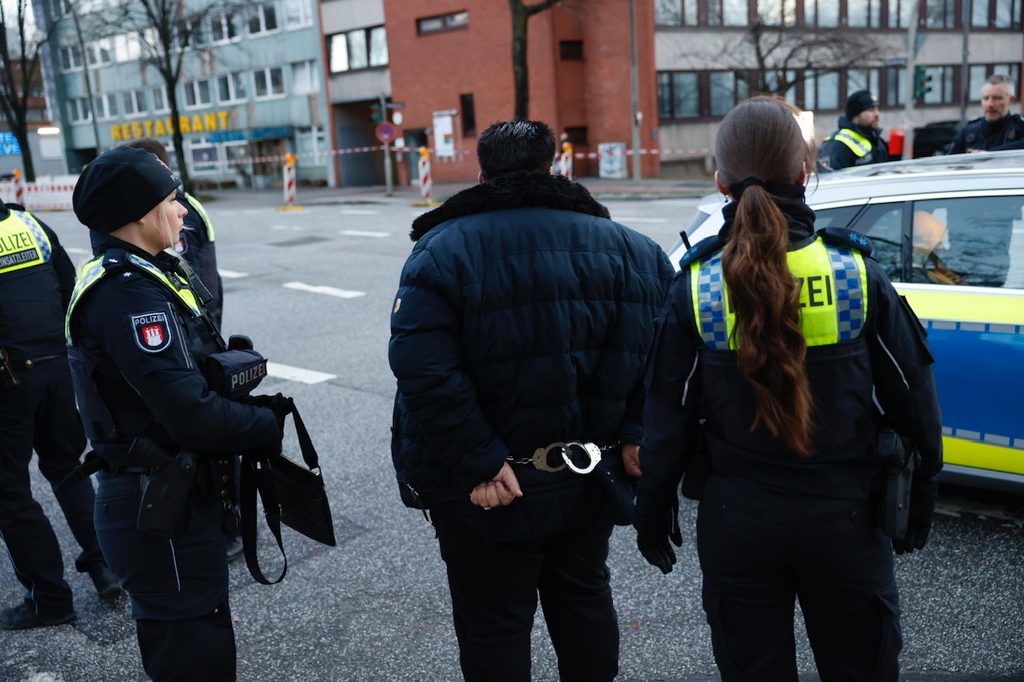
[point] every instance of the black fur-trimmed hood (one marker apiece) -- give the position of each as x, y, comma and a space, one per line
520, 190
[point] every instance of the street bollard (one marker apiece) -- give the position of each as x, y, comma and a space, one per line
19, 188
565, 163
289, 184
426, 181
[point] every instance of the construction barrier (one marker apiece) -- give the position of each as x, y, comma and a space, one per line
48, 193
289, 180
426, 182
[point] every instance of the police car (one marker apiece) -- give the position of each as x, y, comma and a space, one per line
949, 232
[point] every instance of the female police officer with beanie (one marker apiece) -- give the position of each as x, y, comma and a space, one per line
782, 340
136, 335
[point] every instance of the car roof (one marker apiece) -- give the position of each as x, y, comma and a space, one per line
934, 174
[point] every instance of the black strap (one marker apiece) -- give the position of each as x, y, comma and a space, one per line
256, 477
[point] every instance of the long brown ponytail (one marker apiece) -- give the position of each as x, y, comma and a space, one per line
761, 139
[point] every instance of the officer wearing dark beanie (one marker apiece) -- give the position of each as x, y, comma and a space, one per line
858, 141
136, 335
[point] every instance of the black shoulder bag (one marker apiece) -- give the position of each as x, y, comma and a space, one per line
291, 493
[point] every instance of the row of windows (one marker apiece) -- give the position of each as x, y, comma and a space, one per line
361, 48
703, 94
231, 88
933, 14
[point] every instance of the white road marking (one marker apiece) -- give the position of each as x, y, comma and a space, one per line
293, 228
232, 274
76, 250
628, 219
365, 233
326, 291
305, 376
358, 211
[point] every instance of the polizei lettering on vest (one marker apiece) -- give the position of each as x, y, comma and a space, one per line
248, 375
815, 287
16, 241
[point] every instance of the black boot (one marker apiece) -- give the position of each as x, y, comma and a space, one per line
24, 616
108, 585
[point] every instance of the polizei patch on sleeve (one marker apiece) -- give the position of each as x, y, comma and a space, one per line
152, 331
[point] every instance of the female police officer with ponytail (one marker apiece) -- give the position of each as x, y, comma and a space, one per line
774, 345
137, 334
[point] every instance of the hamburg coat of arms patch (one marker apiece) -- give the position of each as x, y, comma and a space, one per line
152, 331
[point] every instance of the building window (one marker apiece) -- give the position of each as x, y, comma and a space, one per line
197, 94
571, 50
942, 91
942, 14
269, 82
779, 12
825, 13
727, 12
127, 47
106, 107
159, 99
263, 19
78, 109
233, 87
979, 72
864, 13
100, 52
205, 157
70, 58
443, 22
467, 113
358, 49
895, 86
862, 79
296, 13
223, 27
675, 12
726, 90
134, 103
1007, 14
821, 91
899, 13
305, 78
311, 145
678, 95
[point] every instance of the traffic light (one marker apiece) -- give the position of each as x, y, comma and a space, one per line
375, 114
922, 82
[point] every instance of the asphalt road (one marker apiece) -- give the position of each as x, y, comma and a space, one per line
376, 607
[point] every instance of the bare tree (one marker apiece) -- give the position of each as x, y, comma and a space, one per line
783, 57
521, 13
166, 28
19, 68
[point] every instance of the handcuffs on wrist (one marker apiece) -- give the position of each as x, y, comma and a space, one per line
540, 459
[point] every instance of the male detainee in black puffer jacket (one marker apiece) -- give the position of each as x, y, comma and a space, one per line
523, 318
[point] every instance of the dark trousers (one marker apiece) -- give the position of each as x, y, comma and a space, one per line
494, 588
200, 649
760, 553
40, 414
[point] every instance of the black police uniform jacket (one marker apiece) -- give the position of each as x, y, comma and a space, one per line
687, 382
33, 298
978, 134
158, 392
523, 317
834, 155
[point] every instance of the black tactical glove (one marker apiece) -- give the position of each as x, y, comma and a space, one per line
923, 494
279, 404
656, 524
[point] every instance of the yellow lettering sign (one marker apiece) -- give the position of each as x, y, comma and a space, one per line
137, 129
223, 116
158, 128
210, 121
197, 124
115, 133
148, 126
184, 125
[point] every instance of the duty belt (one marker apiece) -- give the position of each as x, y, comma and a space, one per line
568, 451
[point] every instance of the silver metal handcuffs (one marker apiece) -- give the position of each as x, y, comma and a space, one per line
540, 457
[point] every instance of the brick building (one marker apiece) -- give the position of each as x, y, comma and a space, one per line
451, 68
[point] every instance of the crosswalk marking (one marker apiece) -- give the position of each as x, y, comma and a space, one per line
232, 274
305, 376
325, 290
358, 211
365, 233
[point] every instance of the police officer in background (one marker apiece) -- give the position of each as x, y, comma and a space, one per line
858, 141
197, 244
37, 411
137, 337
781, 340
997, 129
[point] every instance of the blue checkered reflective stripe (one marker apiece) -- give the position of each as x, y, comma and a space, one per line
37, 232
849, 292
714, 328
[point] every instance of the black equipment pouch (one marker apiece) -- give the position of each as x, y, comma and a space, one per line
234, 373
8, 379
165, 491
900, 462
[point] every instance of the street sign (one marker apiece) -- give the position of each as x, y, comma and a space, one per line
397, 118
386, 131
396, 105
